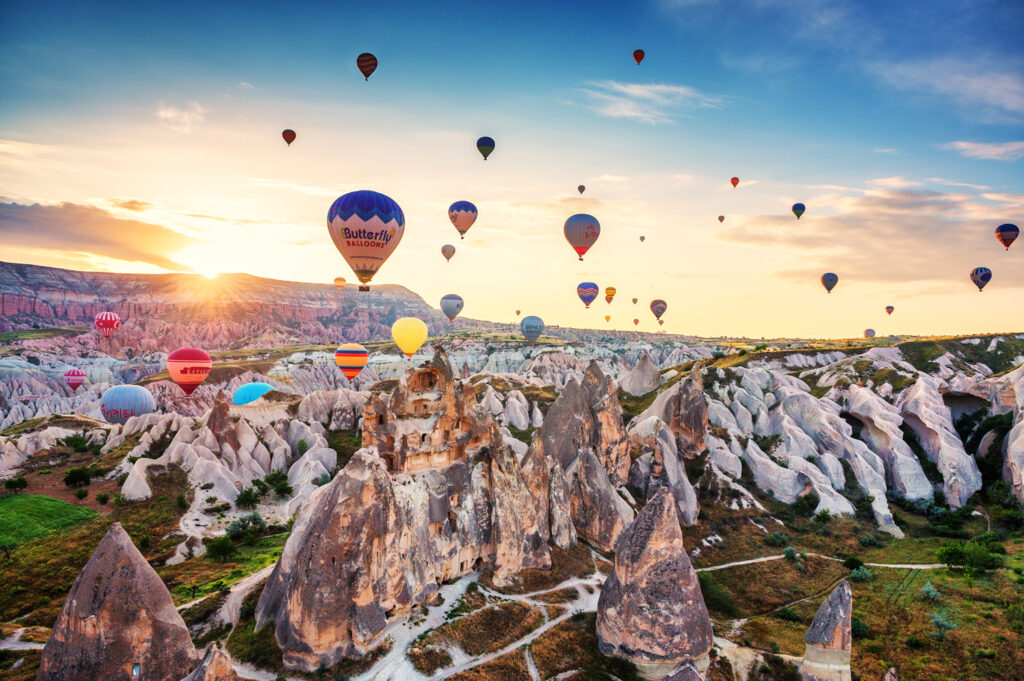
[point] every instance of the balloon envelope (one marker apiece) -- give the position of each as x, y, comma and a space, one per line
250, 392
485, 145
366, 227
517, 312
74, 378
581, 231
463, 215
289, 136
634, 301
829, 281
107, 323
638, 56
721, 218
581, 188
451, 305
658, 307
735, 181
610, 291
409, 334
636, 322
351, 358
587, 291
889, 309
189, 367
339, 283
642, 238
122, 402
367, 64
981, 276
532, 327
447, 251
798, 209
869, 333
607, 317
1007, 234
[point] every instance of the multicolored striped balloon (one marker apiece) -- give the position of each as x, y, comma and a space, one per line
189, 367
74, 378
409, 334
485, 145
889, 309
107, 323
339, 283
1007, 234
367, 64
587, 291
658, 307
351, 358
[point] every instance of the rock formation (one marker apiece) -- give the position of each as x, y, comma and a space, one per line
660, 465
641, 379
216, 666
683, 409
651, 610
118, 617
830, 639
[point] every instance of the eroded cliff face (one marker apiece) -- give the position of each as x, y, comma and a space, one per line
829, 640
118, 614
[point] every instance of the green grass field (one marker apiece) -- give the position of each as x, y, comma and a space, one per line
30, 334
27, 516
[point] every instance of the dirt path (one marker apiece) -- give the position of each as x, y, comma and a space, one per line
13, 643
228, 613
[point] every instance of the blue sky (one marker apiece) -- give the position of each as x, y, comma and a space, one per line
901, 125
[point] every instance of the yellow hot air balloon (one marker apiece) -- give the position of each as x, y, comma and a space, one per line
409, 334
607, 317
339, 283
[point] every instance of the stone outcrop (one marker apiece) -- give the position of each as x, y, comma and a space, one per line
642, 378
216, 666
118, 614
598, 512
683, 409
660, 465
829, 640
651, 610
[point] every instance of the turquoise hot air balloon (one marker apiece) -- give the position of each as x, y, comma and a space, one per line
798, 209
581, 231
587, 291
532, 327
981, 276
250, 392
829, 281
122, 402
485, 145
451, 305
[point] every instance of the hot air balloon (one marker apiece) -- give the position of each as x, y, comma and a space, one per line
869, 333
981, 276
107, 323
661, 322
122, 402
351, 358
409, 334
608, 299
798, 209
634, 301
609, 293
581, 231
581, 188
889, 309
448, 251
188, 368
250, 392
636, 322
366, 227
367, 64
721, 218
485, 145
735, 181
587, 291
642, 238
339, 283
1007, 234
517, 312
74, 378
829, 281
463, 215
451, 305
607, 317
638, 56
658, 307
532, 327
289, 136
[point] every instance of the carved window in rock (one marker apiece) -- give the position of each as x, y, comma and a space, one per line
136, 671
425, 440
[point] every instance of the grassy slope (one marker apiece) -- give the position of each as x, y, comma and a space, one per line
27, 516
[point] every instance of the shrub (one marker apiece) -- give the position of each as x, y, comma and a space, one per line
247, 528
852, 563
181, 502
282, 488
914, 642
716, 597
777, 539
102, 498
247, 498
788, 614
211, 500
322, 480
301, 447
859, 628
789, 552
81, 493
206, 485
869, 541
77, 477
15, 484
119, 499
823, 516
861, 574
941, 625
221, 548
975, 557
929, 593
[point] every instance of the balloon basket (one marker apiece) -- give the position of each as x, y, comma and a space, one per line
364, 288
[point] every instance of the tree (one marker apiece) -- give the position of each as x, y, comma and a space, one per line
77, 477
861, 574
247, 498
102, 498
247, 528
929, 593
221, 548
301, 446
81, 493
15, 484
6, 546
941, 626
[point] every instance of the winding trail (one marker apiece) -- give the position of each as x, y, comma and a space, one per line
13, 643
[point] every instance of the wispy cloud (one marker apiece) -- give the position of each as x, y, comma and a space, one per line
647, 102
989, 91
893, 183
1006, 151
130, 204
245, 85
885, 150
182, 120
954, 183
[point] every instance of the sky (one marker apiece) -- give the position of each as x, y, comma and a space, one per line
145, 137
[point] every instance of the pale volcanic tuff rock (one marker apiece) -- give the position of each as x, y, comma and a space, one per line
642, 378
829, 639
216, 666
118, 614
683, 409
651, 610
923, 410
660, 465
598, 511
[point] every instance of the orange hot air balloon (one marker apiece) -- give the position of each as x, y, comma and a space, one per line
638, 56
339, 283
636, 322
351, 358
189, 367
721, 218
289, 136
367, 64
735, 181
607, 317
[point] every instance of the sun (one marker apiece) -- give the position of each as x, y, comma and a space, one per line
209, 273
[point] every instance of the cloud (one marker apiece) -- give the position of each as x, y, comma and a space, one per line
885, 150
906, 236
986, 91
647, 102
245, 86
130, 204
182, 120
954, 183
893, 183
1006, 151
88, 230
